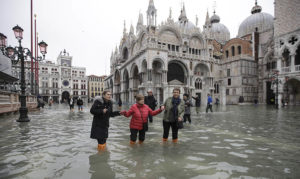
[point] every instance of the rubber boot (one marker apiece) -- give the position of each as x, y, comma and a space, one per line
140, 142
164, 139
101, 147
174, 140
132, 142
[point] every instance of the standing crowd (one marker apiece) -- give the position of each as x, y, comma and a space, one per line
176, 111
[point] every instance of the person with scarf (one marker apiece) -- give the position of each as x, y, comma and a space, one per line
174, 111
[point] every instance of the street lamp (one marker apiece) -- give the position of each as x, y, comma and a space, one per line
16, 54
276, 81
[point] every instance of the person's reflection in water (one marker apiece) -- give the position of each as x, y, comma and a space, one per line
99, 167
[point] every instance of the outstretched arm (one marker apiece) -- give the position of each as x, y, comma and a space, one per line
128, 113
115, 113
153, 113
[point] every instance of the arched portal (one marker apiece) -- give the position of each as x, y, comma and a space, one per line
136, 80
117, 85
286, 61
176, 72
297, 57
65, 96
157, 68
201, 70
126, 86
291, 94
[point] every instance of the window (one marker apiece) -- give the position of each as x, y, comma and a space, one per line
198, 83
232, 51
227, 53
228, 72
229, 81
239, 50
227, 91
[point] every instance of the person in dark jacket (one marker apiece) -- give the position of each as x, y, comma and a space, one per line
198, 103
187, 108
102, 111
71, 103
79, 103
151, 102
139, 113
120, 103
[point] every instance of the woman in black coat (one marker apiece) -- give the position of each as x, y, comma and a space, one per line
102, 111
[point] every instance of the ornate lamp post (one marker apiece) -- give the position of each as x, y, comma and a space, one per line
16, 54
276, 81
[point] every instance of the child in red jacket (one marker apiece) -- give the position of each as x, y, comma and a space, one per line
139, 120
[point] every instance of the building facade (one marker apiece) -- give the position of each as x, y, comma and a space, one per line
95, 86
180, 54
62, 80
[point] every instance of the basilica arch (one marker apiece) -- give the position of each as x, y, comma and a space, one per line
177, 71
157, 70
201, 70
125, 86
136, 80
117, 85
291, 91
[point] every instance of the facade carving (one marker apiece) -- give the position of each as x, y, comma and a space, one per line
178, 54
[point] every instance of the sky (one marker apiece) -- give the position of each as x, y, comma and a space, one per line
90, 29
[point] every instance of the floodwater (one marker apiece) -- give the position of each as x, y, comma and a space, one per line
231, 142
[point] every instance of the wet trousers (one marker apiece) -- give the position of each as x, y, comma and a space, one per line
167, 126
187, 117
134, 133
209, 106
101, 141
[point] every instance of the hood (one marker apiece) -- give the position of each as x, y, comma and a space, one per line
100, 98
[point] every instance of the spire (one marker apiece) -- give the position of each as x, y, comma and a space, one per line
151, 3
207, 22
196, 20
170, 13
116, 49
182, 16
151, 14
131, 29
140, 21
124, 30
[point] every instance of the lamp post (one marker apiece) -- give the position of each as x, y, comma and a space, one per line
276, 81
16, 54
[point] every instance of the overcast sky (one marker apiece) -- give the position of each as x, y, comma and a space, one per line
90, 29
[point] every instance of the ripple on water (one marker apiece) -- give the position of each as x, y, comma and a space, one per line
193, 158
238, 154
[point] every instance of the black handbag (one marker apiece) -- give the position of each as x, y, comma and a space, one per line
145, 125
180, 124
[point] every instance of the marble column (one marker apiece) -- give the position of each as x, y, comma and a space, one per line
149, 71
293, 62
278, 64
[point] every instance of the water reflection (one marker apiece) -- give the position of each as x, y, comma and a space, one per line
99, 165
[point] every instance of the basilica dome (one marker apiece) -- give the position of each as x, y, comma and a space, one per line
258, 21
185, 25
219, 31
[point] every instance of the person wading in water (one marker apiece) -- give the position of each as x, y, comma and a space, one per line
102, 111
